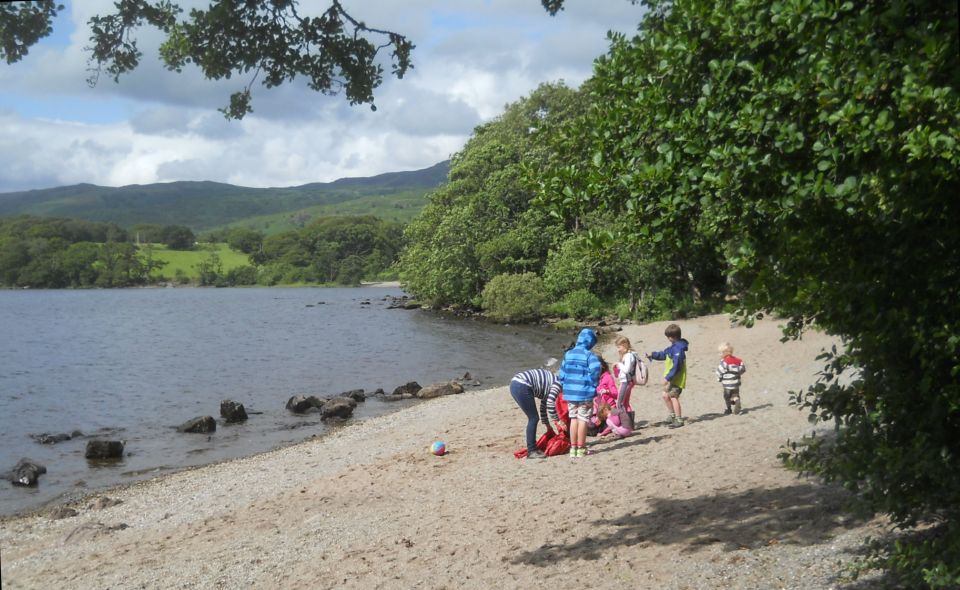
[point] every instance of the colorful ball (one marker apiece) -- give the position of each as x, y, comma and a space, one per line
438, 448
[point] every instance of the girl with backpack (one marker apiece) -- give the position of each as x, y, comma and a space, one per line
630, 371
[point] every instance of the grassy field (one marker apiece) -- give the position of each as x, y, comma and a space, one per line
188, 260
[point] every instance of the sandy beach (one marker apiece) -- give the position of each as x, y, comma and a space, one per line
708, 505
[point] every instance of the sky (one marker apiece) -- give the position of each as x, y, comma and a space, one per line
472, 58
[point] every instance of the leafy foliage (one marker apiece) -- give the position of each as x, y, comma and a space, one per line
514, 297
336, 249
22, 24
807, 151
55, 253
479, 225
332, 50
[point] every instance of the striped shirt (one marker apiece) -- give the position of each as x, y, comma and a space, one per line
544, 386
729, 371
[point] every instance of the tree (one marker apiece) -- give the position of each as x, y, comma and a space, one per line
244, 240
22, 24
177, 237
334, 51
815, 144
480, 224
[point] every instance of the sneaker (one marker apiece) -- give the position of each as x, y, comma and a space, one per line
727, 412
574, 453
671, 418
736, 406
538, 454
677, 423
583, 452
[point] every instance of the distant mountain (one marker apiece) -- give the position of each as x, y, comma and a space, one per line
205, 205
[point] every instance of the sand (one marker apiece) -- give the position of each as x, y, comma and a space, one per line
708, 505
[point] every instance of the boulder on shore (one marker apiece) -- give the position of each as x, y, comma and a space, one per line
232, 412
104, 449
410, 388
301, 404
440, 389
356, 395
200, 424
338, 407
26, 473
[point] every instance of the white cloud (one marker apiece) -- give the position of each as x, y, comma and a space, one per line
473, 57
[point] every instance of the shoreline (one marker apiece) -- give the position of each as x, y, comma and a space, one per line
367, 506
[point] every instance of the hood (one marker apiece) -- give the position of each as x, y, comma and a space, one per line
682, 344
586, 339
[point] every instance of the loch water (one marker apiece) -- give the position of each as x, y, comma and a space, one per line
133, 364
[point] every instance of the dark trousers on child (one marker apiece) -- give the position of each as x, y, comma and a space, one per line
523, 395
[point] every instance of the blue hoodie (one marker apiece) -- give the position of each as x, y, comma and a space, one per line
676, 357
580, 371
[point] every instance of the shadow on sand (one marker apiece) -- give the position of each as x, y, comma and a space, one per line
802, 514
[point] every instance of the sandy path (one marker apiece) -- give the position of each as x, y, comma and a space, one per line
704, 506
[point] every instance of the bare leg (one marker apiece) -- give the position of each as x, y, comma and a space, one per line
666, 400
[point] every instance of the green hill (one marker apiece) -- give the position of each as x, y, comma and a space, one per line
207, 205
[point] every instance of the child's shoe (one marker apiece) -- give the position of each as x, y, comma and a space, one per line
736, 405
728, 411
574, 453
677, 422
582, 452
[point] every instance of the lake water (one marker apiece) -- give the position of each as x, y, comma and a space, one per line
133, 364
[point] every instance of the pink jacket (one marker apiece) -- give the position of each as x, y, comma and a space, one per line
606, 391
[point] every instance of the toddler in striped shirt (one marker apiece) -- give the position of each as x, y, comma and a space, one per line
728, 374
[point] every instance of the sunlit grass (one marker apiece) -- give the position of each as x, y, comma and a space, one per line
188, 261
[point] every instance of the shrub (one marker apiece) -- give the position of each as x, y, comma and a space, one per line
514, 297
242, 275
567, 268
582, 304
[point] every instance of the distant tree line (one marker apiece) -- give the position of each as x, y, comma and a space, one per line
339, 250
56, 253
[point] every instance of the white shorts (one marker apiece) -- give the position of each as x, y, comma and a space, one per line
581, 411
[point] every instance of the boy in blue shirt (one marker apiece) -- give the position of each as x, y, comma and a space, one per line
579, 376
674, 374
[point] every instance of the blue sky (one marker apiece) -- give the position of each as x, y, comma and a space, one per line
472, 58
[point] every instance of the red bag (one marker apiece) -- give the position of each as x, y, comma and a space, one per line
542, 443
558, 445
545, 439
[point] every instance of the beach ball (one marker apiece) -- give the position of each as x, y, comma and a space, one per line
438, 448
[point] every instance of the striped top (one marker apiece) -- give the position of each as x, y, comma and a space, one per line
729, 371
545, 387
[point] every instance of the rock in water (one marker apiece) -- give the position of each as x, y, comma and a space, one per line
26, 472
104, 449
232, 412
201, 424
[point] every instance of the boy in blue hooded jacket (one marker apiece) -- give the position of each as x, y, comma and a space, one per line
579, 376
675, 373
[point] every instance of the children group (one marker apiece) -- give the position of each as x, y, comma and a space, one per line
586, 397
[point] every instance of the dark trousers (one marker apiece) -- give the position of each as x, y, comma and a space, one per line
523, 395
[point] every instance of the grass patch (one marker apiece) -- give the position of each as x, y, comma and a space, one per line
187, 261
